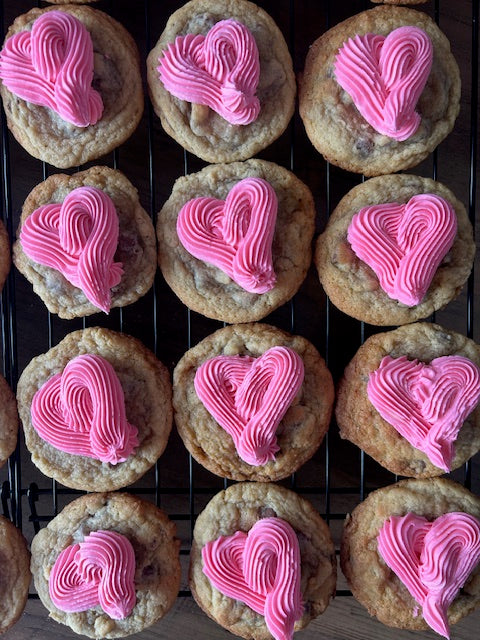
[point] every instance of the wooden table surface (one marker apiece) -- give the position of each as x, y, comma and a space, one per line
335, 482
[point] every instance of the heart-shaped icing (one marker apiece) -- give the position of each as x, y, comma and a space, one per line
235, 234
426, 403
404, 244
385, 78
432, 559
220, 70
78, 238
82, 411
98, 571
52, 66
248, 397
262, 569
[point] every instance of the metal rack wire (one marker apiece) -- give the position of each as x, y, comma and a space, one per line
30, 499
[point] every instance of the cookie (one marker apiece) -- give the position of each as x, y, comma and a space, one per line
301, 429
417, 446
355, 288
156, 568
4, 255
409, 118
400, 1
131, 259
257, 89
146, 388
92, 117
206, 288
16, 576
377, 586
8, 421
238, 509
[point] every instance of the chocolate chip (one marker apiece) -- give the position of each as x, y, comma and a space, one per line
364, 146
148, 571
266, 512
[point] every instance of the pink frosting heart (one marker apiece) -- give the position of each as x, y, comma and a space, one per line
432, 559
262, 569
404, 244
82, 411
426, 403
235, 235
52, 66
220, 70
248, 397
98, 571
385, 78
78, 238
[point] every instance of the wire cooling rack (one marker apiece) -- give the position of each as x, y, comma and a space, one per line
339, 475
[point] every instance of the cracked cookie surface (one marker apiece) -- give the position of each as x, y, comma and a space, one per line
157, 571
238, 508
198, 128
44, 134
352, 285
16, 576
4, 255
8, 421
146, 386
136, 248
371, 581
399, 1
70, 1
361, 423
301, 430
208, 290
335, 126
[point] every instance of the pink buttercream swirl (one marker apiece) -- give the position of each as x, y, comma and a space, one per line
78, 238
52, 66
404, 244
249, 397
235, 234
82, 411
432, 559
220, 70
385, 78
262, 569
426, 403
98, 571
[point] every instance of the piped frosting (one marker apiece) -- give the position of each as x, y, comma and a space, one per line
426, 403
78, 238
82, 411
385, 78
98, 571
262, 569
220, 70
52, 65
432, 559
249, 397
235, 234
404, 244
